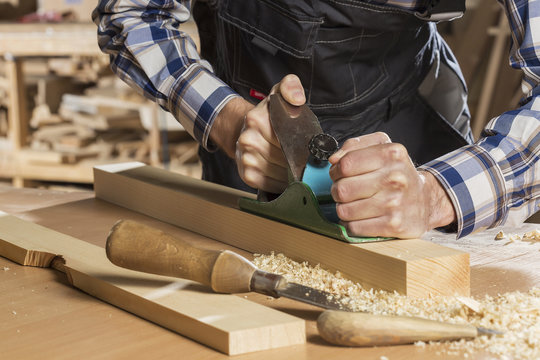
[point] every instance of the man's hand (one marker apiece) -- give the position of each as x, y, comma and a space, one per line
379, 192
260, 160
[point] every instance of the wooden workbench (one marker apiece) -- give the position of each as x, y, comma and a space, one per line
42, 316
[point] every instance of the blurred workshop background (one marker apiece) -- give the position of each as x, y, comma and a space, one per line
62, 110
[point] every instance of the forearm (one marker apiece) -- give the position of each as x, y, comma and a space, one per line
151, 53
495, 180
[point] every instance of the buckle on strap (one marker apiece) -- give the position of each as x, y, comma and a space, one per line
442, 10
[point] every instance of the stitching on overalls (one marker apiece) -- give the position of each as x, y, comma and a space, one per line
292, 51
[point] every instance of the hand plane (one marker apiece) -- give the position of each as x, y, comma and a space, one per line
306, 202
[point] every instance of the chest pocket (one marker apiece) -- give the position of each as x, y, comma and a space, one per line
268, 39
348, 66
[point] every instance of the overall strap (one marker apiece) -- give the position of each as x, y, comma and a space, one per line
442, 10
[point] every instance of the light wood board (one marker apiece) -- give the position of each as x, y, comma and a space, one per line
227, 323
414, 267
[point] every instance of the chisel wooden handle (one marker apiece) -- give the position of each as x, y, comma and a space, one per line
139, 247
361, 329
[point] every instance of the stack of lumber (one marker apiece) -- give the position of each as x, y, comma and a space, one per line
108, 121
86, 127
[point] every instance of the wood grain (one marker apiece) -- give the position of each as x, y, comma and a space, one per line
413, 267
227, 323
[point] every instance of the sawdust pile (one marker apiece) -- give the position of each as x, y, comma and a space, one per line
516, 314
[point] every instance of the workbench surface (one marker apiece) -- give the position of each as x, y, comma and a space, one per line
42, 316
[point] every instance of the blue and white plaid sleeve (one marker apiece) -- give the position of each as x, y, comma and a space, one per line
497, 180
151, 53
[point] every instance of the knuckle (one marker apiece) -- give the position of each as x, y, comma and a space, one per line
382, 137
346, 165
394, 202
344, 212
354, 228
340, 192
396, 223
396, 151
252, 121
248, 161
396, 180
243, 141
351, 143
249, 177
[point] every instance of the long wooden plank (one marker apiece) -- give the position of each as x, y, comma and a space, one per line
227, 323
413, 267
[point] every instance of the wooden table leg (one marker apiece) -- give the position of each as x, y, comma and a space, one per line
18, 114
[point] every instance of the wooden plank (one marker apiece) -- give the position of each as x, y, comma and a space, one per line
413, 267
227, 323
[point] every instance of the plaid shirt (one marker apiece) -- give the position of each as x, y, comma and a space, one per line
492, 182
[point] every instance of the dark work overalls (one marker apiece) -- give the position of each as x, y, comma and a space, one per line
364, 67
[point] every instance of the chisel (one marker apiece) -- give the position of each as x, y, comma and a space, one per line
136, 246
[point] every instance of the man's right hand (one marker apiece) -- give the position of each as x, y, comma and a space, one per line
260, 160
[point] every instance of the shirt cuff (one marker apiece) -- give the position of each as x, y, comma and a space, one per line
195, 100
475, 185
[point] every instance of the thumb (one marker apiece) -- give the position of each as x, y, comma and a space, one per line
290, 87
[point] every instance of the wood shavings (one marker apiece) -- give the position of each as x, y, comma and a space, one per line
6, 268
516, 314
530, 237
500, 235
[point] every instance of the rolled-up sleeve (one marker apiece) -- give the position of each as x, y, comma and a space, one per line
497, 180
150, 52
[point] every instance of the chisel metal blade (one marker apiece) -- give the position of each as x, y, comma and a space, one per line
488, 332
276, 285
311, 296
